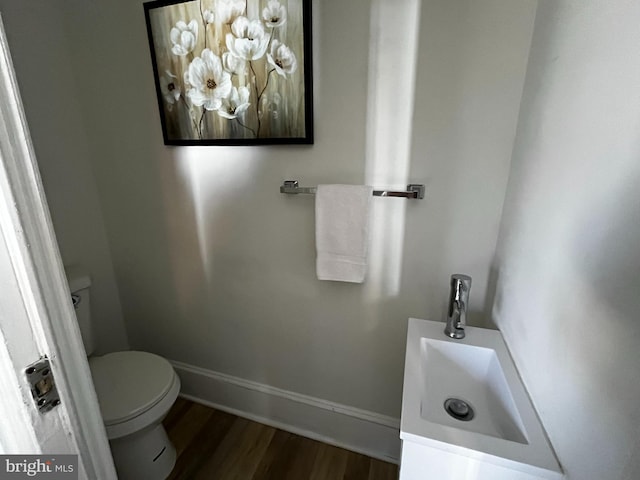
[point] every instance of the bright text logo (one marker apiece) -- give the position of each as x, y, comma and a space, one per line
51, 467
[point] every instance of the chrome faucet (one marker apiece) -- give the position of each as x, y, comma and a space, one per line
458, 301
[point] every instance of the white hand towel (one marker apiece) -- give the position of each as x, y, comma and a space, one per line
342, 230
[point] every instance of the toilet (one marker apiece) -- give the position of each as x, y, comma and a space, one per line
135, 391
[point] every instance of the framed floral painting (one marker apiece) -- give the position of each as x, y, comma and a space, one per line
232, 72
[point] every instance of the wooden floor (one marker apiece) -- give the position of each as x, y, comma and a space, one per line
214, 445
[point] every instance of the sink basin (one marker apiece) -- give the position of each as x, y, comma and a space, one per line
503, 429
473, 374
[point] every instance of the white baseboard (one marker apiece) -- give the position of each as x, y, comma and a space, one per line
361, 431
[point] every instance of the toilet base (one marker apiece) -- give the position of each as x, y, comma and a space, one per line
148, 454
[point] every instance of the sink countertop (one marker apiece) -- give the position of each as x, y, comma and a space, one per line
480, 363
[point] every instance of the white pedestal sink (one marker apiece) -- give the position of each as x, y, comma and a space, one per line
503, 440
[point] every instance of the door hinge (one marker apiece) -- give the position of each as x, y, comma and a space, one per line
43, 387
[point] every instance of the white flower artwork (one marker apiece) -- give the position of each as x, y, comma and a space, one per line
236, 104
274, 15
248, 39
184, 37
210, 83
282, 59
170, 89
227, 70
208, 16
229, 10
233, 64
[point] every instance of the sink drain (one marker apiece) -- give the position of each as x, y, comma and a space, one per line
459, 409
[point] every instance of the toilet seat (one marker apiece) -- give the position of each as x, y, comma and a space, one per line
128, 384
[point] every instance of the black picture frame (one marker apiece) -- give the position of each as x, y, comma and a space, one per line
232, 72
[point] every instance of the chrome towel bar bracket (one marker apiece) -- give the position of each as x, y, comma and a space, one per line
414, 190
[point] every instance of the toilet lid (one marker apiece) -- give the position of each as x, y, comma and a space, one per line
129, 383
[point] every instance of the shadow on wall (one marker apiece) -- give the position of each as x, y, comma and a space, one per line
608, 252
491, 298
602, 356
578, 321
171, 267
207, 198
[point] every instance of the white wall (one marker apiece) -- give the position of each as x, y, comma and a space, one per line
216, 268
569, 255
48, 87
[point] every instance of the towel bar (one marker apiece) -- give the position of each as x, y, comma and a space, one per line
414, 190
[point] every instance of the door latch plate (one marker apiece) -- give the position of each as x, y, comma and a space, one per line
43, 387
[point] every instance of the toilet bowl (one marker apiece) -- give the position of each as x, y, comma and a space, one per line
135, 391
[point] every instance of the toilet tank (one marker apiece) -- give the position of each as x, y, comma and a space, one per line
79, 285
